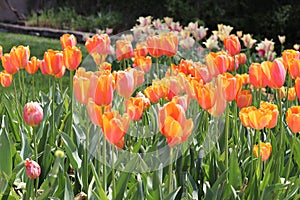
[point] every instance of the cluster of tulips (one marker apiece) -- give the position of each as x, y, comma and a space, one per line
214, 82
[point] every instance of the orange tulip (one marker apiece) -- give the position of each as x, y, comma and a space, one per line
217, 63
245, 78
232, 44
293, 118
220, 102
275, 73
5, 79
265, 150
156, 91
123, 49
82, 85
143, 63
244, 115
52, 63
272, 108
291, 94
95, 112
20, 56
141, 49
115, 127
294, 69
259, 119
169, 43
33, 65
244, 99
288, 57
257, 76
135, 106
103, 88
68, 40
231, 85
8, 64
72, 57
154, 46
173, 123
204, 94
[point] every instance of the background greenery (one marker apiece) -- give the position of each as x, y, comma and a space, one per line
262, 18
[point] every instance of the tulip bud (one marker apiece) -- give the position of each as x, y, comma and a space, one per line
33, 114
33, 169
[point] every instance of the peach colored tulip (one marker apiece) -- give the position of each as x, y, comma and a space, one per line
232, 44
124, 49
135, 106
82, 85
33, 169
115, 127
288, 57
33, 114
72, 57
95, 112
217, 63
8, 64
169, 43
98, 44
5, 79
33, 65
232, 85
259, 119
205, 94
291, 94
143, 63
265, 150
140, 49
275, 73
68, 40
244, 115
125, 83
155, 48
294, 69
293, 118
173, 123
244, 99
272, 108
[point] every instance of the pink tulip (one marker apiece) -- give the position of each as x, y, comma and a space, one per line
33, 114
33, 169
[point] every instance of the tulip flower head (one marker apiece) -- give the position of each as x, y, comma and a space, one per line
232, 44
68, 40
5, 78
33, 169
33, 114
293, 118
265, 150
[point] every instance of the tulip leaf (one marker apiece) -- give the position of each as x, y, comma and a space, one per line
100, 191
68, 193
235, 176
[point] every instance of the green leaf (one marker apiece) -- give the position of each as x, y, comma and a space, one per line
173, 194
68, 189
235, 176
101, 192
5, 156
71, 151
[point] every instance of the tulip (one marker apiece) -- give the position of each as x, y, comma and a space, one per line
103, 86
115, 127
33, 114
217, 63
294, 69
123, 49
33, 169
297, 87
8, 64
272, 108
169, 43
231, 85
288, 57
135, 108
184, 101
232, 44
1, 51
275, 73
220, 102
68, 40
259, 119
125, 83
95, 112
292, 118
244, 99
72, 57
20, 56
244, 115
291, 94
154, 46
52, 63
141, 49
265, 150
82, 85
33, 65
5, 79
98, 44
143, 63
257, 76
205, 94
248, 41
173, 124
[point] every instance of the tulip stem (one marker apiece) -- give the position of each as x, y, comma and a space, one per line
53, 100
290, 158
113, 172
258, 171
33, 91
226, 138
281, 137
35, 156
171, 72
71, 103
157, 67
170, 172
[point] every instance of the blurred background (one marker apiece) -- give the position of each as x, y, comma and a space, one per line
262, 18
